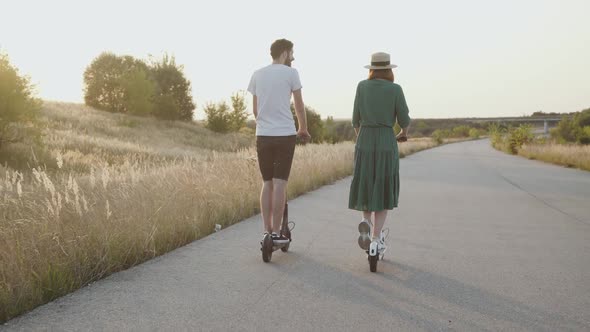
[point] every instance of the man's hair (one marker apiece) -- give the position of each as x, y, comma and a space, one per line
279, 46
385, 74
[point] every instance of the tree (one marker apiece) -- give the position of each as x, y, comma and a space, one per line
315, 126
566, 130
583, 118
582, 122
330, 131
138, 92
104, 78
238, 115
125, 84
173, 98
18, 106
218, 117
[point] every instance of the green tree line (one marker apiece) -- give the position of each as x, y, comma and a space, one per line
573, 128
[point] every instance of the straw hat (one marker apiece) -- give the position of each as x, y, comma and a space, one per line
380, 60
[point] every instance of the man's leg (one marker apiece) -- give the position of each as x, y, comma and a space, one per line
266, 205
279, 197
282, 169
264, 150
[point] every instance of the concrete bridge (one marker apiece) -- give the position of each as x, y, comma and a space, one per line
546, 120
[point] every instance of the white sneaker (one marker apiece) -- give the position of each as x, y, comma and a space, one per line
382, 237
377, 247
381, 245
384, 234
364, 239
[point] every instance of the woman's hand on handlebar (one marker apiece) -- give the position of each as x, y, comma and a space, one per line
403, 135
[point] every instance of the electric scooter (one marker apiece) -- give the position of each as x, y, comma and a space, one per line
268, 246
373, 254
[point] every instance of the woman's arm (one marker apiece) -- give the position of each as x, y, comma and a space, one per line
356, 113
402, 114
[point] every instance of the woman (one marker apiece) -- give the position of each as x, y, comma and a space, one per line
375, 185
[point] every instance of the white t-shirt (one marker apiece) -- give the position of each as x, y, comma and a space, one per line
273, 85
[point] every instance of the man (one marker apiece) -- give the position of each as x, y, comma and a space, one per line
271, 88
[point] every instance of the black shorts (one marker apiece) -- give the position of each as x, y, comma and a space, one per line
275, 156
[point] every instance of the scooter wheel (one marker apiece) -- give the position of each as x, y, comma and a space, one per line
373, 263
267, 248
285, 248
288, 236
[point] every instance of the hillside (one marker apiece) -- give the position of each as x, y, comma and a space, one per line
84, 137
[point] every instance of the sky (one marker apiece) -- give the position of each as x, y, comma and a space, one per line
456, 58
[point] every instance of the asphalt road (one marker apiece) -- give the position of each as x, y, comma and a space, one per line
481, 241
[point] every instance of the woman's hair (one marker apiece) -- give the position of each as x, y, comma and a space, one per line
384, 74
279, 46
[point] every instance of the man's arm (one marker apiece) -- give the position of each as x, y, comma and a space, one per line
255, 106
300, 110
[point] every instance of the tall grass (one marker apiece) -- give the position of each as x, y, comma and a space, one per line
119, 194
60, 233
569, 155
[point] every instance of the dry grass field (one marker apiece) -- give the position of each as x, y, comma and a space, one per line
569, 155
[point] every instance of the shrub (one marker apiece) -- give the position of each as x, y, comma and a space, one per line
497, 133
238, 115
474, 133
572, 128
461, 131
518, 136
438, 136
218, 117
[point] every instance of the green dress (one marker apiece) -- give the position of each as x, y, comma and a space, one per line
375, 183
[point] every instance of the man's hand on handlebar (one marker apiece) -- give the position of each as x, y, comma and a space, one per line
303, 135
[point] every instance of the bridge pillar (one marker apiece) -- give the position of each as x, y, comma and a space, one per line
545, 127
